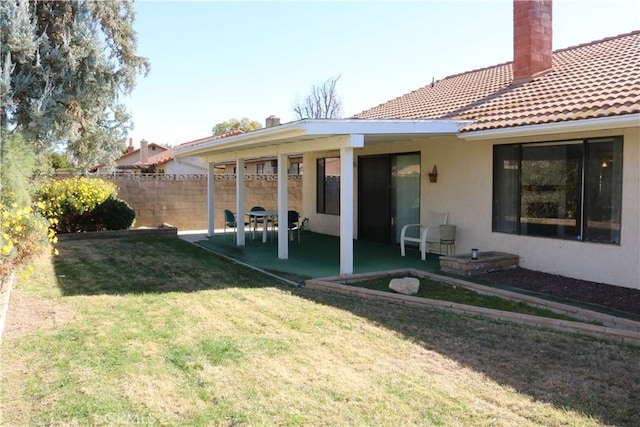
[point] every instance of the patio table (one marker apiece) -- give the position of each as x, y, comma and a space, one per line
265, 215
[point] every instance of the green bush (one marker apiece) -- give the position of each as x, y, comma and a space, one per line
25, 234
113, 214
69, 203
17, 165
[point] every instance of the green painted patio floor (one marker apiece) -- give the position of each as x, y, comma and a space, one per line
317, 255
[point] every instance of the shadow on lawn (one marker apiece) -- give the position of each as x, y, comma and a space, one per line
592, 377
596, 378
143, 265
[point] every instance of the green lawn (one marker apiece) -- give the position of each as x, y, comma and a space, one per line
161, 332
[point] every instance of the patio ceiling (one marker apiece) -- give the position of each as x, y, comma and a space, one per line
317, 135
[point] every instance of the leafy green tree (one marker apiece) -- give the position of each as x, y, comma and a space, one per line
323, 102
64, 68
59, 161
244, 124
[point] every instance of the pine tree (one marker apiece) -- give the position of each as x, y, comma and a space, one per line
65, 68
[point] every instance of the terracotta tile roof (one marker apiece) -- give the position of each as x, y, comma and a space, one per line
158, 159
597, 79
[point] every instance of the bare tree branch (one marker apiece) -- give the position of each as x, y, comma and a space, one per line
322, 102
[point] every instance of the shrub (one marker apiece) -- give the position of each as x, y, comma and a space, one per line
17, 164
113, 214
24, 235
68, 203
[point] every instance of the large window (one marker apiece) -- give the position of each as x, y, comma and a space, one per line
567, 190
328, 186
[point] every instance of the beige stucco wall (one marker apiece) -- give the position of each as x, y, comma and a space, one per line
464, 189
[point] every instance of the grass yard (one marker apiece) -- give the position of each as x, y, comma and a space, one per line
160, 332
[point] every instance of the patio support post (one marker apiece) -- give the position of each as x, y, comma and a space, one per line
346, 205
240, 202
211, 184
283, 207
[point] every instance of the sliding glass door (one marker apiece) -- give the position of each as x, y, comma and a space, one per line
388, 195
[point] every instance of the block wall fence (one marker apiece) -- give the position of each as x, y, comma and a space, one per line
181, 200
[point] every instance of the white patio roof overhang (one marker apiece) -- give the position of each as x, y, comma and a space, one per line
304, 136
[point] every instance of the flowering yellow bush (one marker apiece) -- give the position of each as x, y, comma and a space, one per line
23, 235
67, 203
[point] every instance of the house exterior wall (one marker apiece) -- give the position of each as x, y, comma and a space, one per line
129, 160
464, 189
135, 156
251, 167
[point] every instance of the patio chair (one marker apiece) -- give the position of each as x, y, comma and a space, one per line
293, 224
428, 233
230, 221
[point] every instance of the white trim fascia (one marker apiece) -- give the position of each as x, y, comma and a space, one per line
290, 132
585, 125
318, 143
382, 126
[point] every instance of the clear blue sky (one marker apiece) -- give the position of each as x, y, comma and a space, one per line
211, 61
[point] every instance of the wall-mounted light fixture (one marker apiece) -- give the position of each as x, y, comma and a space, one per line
433, 175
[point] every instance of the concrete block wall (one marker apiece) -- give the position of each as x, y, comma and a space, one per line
181, 200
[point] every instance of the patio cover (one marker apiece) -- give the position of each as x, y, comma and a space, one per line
305, 136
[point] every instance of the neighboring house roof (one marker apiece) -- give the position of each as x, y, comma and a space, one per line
168, 155
137, 150
597, 79
160, 158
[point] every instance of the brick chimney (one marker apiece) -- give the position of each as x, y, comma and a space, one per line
272, 121
130, 147
531, 39
144, 151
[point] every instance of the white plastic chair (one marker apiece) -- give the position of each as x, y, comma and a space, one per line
429, 233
